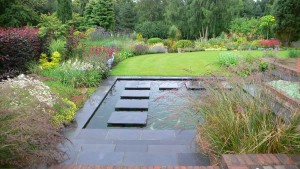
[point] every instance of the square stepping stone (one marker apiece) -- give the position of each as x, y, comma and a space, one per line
135, 85
130, 118
169, 86
135, 94
132, 105
194, 85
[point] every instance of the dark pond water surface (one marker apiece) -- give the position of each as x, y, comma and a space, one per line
168, 109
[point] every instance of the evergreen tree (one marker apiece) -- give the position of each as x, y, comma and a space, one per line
127, 16
287, 17
64, 10
100, 13
151, 10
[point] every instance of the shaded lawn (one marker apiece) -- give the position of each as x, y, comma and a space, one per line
176, 64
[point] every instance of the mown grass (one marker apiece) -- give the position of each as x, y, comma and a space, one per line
176, 64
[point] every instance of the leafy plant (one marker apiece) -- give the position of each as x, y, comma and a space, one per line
57, 46
294, 54
228, 59
66, 111
51, 28
174, 33
263, 66
151, 29
184, 44
153, 41
48, 63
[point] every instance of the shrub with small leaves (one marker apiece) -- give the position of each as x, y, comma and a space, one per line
294, 54
47, 63
184, 44
66, 111
263, 66
153, 41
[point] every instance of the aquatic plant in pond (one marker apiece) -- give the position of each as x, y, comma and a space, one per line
290, 88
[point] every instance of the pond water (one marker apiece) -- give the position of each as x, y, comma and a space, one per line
168, 109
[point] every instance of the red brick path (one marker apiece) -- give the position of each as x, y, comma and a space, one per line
228, 161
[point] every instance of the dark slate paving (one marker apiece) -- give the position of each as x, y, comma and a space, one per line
158, 134
138, 85
134, 118
168, 149
169, 86
131, 148
102, 148
137, 142
195, 85
123, 134
149, 159
92, 133
135, 94
193, 159
96, 158
132, 105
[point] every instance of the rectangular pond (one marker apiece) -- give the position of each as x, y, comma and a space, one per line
148, 104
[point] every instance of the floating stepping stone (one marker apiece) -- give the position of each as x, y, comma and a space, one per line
194, 85
138, 85
169, 86
128, 118
132, 105
135, 94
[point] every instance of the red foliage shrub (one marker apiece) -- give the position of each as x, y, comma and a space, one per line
18, 46
269, 43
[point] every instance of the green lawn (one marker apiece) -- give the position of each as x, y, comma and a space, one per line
175, 64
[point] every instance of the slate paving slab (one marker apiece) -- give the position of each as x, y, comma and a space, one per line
169, 86
132, 105
136, 85
124, 134
193, 159
96, 158
130, 118
195, 85
149, 159
131, 148
135, 94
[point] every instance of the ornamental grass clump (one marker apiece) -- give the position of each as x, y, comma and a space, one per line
237, 123
28, 137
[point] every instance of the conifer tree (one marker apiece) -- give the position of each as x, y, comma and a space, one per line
64, 10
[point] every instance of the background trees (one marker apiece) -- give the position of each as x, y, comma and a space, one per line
194, 19
287, 17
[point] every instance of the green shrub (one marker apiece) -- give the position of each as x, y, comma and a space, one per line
153, 29
184, 44
48, 63
174, 33
124, 54
217, 42
237, 123
57, 46
66, 111
153, 41
228, 59
263, 66
77, 73
294, 54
